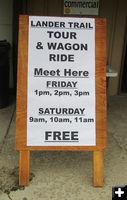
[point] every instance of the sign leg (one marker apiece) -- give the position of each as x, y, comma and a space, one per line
98, 168
24, 168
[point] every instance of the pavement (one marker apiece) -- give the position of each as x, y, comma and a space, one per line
64, 175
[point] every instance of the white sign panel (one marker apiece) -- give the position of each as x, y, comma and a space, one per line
81, 7
61, 82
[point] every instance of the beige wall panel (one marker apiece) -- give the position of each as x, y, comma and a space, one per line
115, 12
118, 44
108, 9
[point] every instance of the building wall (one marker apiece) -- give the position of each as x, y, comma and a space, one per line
115, 12
6, 10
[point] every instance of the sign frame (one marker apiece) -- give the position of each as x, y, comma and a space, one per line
100, 94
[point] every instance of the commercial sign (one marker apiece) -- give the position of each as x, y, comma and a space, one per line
81, 7
61, 82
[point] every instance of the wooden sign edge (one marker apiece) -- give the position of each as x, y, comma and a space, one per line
100, 86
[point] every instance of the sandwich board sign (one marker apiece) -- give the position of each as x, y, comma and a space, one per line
61, 89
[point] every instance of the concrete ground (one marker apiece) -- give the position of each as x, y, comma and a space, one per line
64, 175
